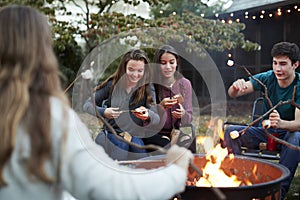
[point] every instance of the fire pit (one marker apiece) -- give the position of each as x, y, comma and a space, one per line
259, 179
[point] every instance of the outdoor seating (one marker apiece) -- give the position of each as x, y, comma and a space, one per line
262, 152
187, 129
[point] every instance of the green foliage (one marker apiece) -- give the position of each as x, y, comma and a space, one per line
69, 53
99, 24
196, 31
180, 6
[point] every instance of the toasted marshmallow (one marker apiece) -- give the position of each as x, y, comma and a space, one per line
266, 124
234, 134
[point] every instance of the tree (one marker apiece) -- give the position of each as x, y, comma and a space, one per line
212, 34
180, 6
97, 22
68, 51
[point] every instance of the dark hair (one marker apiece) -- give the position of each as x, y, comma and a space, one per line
157, 56
157, 78
134, 54
288, 49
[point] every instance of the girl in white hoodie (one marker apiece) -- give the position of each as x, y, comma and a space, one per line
44, 147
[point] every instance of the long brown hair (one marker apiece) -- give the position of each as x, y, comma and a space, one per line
28, 77
134, 54
158, 79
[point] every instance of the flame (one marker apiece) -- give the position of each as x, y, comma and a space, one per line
247, 181
254, 172
206, 141
213, 175
214, 134
219, 130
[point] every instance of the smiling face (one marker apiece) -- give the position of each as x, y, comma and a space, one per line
135, 71
168, 64
284, 69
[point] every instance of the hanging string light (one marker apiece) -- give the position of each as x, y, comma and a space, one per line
259, 15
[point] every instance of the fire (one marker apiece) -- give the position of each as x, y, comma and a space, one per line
216, 125
213, 175
207, 142
214, 133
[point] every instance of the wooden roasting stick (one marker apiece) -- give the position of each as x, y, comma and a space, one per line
217, 191
174, 138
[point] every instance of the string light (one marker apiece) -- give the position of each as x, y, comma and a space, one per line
280, 11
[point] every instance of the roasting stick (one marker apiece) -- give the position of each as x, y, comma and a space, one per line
236, 134
217, 191
220, 195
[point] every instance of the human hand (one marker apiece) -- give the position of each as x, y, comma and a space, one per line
274, 118
179, 112
179, 98
112, 113
239, 85
179, 156
168, 102
141, 113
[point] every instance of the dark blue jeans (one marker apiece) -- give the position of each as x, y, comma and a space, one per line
120, 150
254, 135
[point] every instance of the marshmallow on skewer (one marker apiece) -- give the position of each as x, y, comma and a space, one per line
234, 134
266, 124
87, 74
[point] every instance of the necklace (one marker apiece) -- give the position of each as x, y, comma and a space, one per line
170, 83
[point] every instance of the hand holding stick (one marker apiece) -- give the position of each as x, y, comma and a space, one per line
236, 134
217, 191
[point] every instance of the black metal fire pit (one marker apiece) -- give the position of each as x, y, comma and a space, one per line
265, 182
